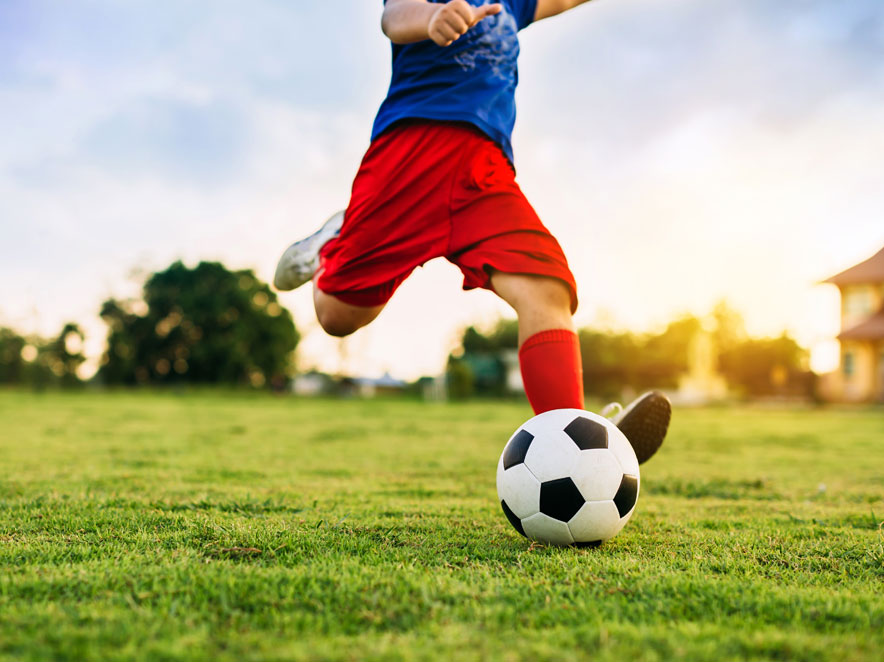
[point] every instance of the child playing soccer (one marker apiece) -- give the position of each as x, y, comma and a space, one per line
438, 180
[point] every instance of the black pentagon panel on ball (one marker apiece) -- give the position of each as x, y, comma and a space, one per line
511, 516
560, 499
517, 449
626, 494
587, 434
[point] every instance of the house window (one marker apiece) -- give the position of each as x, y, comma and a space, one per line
848, 364
858, 303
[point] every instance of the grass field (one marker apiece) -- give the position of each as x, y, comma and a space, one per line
234, 527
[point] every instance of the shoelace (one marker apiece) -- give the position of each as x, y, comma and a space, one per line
611, 409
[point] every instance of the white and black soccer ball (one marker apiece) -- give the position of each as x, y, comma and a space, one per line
568, 476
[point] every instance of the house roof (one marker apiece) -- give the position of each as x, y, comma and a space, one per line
870, 329
870, 271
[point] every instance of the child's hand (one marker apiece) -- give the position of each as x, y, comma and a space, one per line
453, 19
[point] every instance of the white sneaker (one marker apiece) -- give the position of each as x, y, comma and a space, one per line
301, 260
644, 422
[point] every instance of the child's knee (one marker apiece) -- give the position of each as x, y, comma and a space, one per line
340, 319
335, 324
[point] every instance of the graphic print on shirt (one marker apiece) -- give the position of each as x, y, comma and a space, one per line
493, 40
471, 80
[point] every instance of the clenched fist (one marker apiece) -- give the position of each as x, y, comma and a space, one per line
453, 19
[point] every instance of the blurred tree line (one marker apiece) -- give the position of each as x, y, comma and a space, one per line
618, 361
210, 325
203, 325
41, 362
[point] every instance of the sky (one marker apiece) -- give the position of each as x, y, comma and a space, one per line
682, 152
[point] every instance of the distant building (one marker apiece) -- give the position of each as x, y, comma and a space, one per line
860, 377
512, 371
313, 383
368, 387
494, 373
433, 389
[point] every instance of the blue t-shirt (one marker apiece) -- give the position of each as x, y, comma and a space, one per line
472, 80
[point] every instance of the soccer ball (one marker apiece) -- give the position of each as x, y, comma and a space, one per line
567, 477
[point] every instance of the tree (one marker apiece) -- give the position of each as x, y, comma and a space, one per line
481, 369
459, 378
201, 325
610, 361
767, 366
729, 328
38, 362
63, 355
665, 357
504, 335
614, 361
12, 363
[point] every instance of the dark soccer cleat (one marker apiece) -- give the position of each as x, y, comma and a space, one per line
644, 422
301, 260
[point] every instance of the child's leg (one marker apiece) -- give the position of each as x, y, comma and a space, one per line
397, 219
549, 352
338, 318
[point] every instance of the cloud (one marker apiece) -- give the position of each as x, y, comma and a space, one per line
626, 70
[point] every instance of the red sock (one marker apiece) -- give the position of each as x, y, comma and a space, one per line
551, 370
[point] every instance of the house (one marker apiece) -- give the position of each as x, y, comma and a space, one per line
369, 387
495, 372
860, 377
312, 383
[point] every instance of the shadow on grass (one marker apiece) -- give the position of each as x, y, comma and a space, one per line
715, 488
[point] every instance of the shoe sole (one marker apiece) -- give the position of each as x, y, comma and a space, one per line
646, 424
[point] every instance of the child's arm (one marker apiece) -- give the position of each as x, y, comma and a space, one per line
547, 8
408, 21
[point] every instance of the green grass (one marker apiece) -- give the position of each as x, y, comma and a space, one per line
234, 527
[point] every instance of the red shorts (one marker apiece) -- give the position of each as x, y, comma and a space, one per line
436, 189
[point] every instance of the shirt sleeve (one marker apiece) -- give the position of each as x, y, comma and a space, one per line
524, 11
